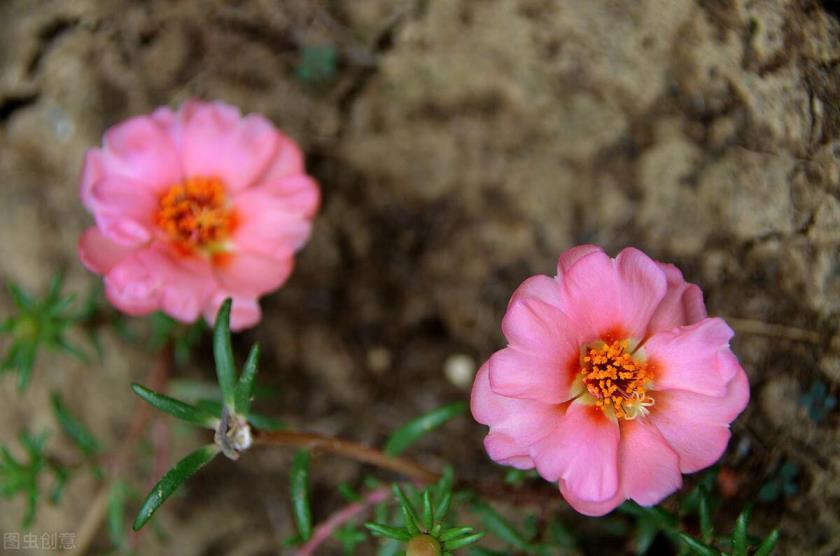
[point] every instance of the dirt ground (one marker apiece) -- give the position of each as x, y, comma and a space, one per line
461, 145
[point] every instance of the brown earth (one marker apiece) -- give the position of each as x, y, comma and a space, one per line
462, 145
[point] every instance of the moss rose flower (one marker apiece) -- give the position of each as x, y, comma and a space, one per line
193, 206
614, 380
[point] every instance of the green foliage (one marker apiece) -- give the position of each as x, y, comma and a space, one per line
115, 516
700, 501
73, 428
258, 420
350, 536
21, 476
818, 401
223, 352
412, 431
317, 65
517, 477
245, 387
425, 513
173, 479
501, 528
176, 408
182, 337
299, 478
234, 393
781, 483
38, 323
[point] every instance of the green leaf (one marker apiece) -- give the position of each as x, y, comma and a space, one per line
245, 387
428, 512
173, 479
300, 494
348, 492
443, 493
454, 533
116, 513
500, 527
54, 289
646, 532
62, 475
707, 531
350, 536
768, 544
177, 408
24, 360
389, 532
83, 438
698, 547
223, 352
739, 534
265, 423
409, 433
20, 298
318, 64
462, 542
409, 515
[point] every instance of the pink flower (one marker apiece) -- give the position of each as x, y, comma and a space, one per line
613, 383
194, 206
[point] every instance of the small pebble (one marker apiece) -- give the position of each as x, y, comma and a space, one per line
459, 369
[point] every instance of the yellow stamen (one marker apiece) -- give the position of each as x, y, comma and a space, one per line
195, 215
616, 379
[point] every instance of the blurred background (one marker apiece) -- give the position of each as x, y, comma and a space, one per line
461, 145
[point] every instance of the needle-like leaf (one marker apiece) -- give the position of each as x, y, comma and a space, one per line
223, 352
177, 408
173, 479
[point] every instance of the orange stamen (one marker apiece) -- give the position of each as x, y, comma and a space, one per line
195, 215
616, 379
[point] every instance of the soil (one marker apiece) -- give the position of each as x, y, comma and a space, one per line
461, 145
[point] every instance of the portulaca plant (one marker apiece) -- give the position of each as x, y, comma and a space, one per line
614, 382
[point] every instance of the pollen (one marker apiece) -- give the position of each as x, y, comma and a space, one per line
616, 380
195, 215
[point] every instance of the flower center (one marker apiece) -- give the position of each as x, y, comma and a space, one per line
195, 215
617, 380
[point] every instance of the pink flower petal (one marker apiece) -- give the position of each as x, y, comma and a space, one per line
244, 313
540, 329
514, 423
588, 507
287, 161
186, 287
93, 169
154, 279
272, 227
570, 256
216, 142
602, 295
697, 426
539, 287
140, 151
516, 374
648, 471
247, 274
692, 358
132, 286
124, 210
681, 306
507, 450
299, 195
98, 253
583, 452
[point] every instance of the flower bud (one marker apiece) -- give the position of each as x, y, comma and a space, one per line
423, 545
